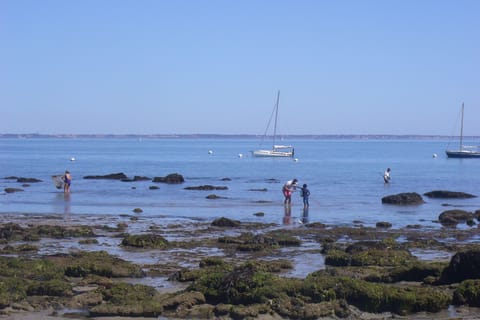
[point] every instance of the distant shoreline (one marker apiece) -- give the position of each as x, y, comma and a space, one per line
228, 136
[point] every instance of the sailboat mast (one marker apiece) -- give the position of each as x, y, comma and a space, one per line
461, 131
276, 116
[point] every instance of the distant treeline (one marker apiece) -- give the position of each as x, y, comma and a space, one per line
225, 136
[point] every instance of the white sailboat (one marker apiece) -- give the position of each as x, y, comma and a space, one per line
277, 150
463, 151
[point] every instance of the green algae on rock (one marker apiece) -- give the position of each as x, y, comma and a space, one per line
468, 292
150, 241
100, 263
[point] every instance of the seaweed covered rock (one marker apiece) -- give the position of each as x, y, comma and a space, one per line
468, 292
369, 253
407, 198
151, 241
258, 242
173, 178
99, 263
22, 277
374, 297
463, 266
418, 271
133, 300
361, 246
444, 194
246, 284
14, 232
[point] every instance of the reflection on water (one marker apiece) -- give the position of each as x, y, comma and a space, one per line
287, 217
67, 205
305, 215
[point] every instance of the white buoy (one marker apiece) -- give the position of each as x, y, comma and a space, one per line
72, 159
434, 155
240, 155
296, 159
210, 152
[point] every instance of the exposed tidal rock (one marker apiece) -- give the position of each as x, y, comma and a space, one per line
225, 222
214, 196
207, 188
453, 217
111, 176
383, 224
407, 198
444, 194
28, 180
173, 178
317, 225
12, 190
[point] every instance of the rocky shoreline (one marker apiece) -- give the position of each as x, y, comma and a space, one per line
85, 267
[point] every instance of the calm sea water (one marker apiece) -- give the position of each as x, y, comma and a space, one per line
344, 177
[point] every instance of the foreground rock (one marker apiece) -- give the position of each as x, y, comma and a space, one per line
463, 265
408, 198
443, 194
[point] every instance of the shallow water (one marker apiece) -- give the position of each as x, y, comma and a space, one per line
344, 176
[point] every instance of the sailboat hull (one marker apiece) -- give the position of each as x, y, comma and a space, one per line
462, 154
272, 153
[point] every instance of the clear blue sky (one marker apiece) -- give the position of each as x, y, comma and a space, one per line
154, 67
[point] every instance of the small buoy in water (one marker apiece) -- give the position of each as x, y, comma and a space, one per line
296, 159
210, 152
240, 155
72, 159
434, 155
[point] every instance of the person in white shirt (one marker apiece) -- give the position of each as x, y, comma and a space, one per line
288, 188
386, 176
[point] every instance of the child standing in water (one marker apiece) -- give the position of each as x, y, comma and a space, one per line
305, 193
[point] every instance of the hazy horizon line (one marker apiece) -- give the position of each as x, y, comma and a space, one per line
218, 135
